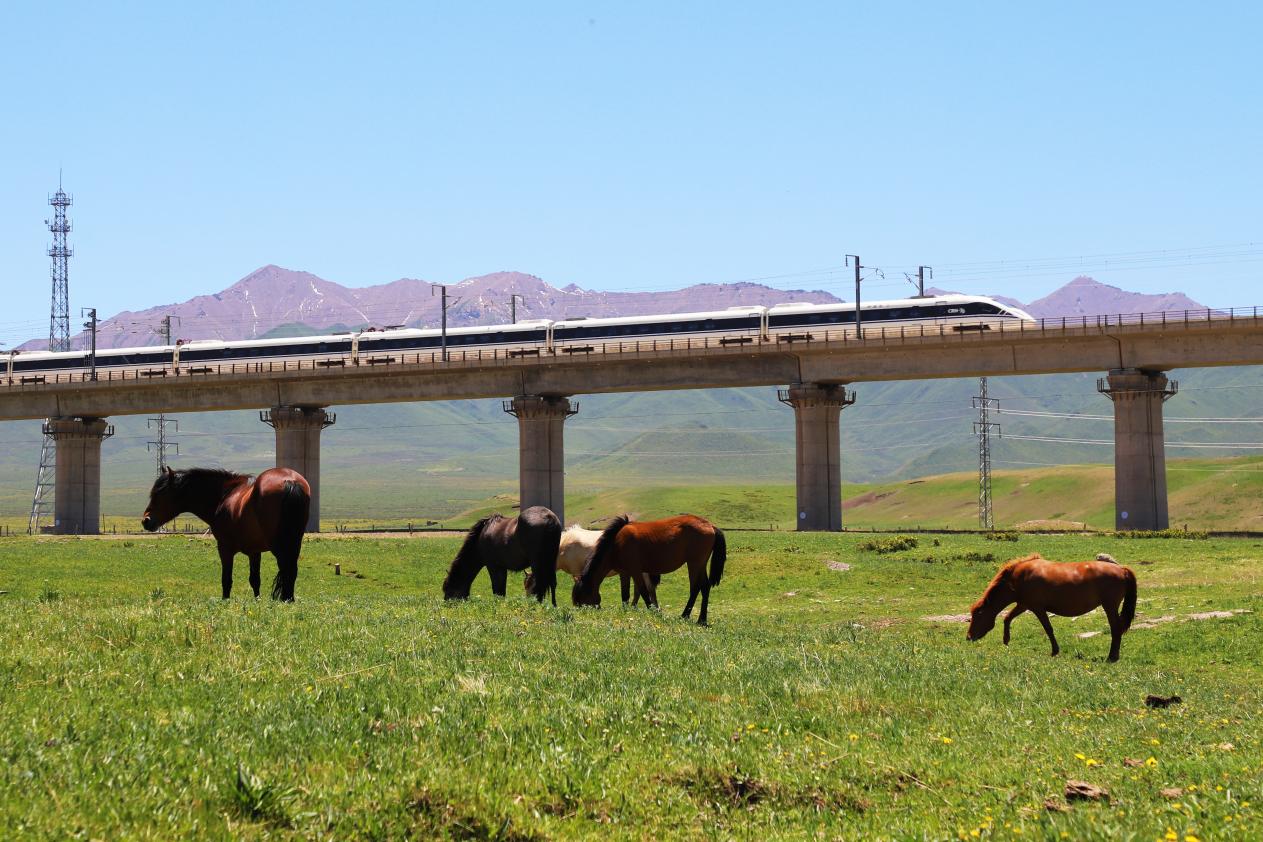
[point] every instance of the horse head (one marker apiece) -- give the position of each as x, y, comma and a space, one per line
468, 561
163, 501
981, 621
982, 614
587, 588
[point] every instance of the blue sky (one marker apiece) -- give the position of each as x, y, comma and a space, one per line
631, 146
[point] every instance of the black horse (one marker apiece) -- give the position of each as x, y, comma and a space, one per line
502, 544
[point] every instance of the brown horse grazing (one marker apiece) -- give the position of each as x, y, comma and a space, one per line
653, 547
502, 544
577, 544
1067, 589
247, 517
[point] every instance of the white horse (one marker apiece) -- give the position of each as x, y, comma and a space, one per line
577, 544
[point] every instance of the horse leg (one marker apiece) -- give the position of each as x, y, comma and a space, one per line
225, 570
499, 579
624, 582
255, 561
1116, 632
701, 617
650, 592
694, 589
1043, 621
1008, 618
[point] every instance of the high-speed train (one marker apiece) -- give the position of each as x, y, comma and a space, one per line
736, 325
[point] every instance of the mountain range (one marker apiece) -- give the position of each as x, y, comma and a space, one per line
274, 301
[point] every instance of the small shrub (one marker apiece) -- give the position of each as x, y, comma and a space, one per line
49, 594
974, 555
1008, 535
882, 546
256, 800
157, 594
1162, 533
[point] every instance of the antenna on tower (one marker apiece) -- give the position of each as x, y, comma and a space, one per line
60, 252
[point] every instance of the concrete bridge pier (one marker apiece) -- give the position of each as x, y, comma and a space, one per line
819, 460
298, 446
77, 477
1140, 479
541, 453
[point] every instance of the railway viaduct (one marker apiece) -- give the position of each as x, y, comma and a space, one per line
1134, 353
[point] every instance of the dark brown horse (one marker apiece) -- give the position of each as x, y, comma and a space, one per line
502, 544
1067, 589
268, 514
645, 549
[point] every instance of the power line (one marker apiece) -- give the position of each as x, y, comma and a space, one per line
1083, 416
1228, 445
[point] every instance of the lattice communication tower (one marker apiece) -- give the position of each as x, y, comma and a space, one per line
60, 252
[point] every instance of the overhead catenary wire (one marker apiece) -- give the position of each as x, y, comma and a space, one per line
1083, 416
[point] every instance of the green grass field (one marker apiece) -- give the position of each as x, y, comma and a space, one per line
819, 703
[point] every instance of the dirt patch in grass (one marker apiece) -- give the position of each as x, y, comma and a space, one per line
865, 499
735, 790
441, 817
947, 618
839, 566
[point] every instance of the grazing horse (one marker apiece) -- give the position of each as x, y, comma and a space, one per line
577, 544
653, 547
246, 517
1067, 589
502, 544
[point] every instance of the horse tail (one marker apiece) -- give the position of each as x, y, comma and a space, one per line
718, 555
603, 547
466, 555
545, 566
1129, 599
295, 509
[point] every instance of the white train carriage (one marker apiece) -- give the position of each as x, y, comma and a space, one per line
742, 325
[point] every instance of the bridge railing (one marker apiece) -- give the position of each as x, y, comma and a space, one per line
737, 343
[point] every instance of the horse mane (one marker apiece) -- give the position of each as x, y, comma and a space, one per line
602, 548
468, 549
1001, 577
195, 480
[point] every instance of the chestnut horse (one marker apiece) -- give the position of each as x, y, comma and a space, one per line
642, 550
1067, 589
502, 544
246, 517
577, 544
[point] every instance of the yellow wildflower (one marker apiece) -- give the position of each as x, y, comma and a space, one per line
947, 741
1151, 762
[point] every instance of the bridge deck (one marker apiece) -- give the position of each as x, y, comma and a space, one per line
1156, 341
